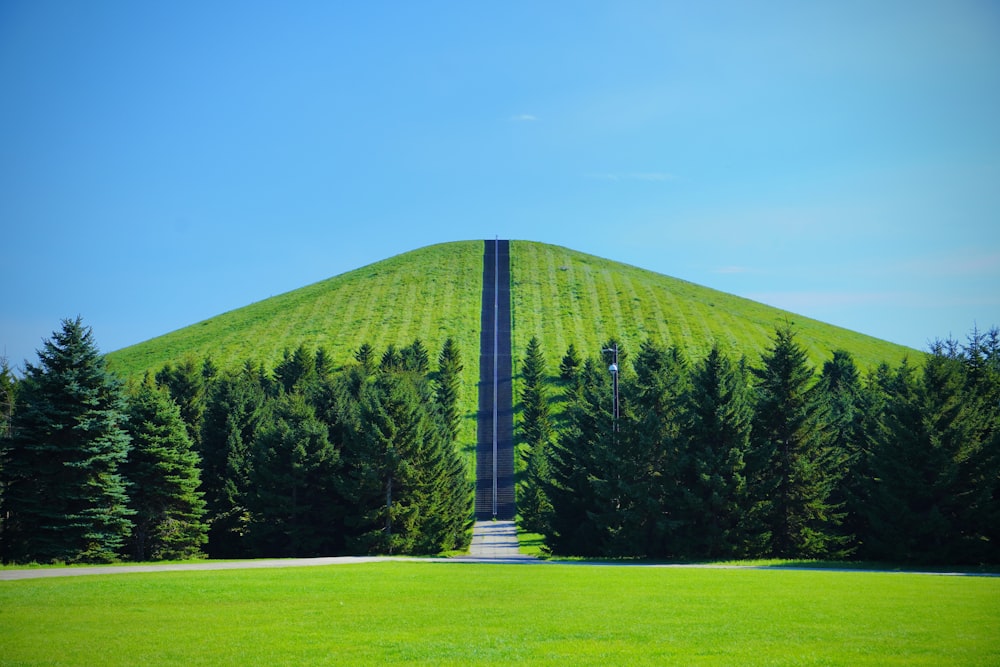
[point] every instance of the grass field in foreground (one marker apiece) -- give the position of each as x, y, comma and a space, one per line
434, 613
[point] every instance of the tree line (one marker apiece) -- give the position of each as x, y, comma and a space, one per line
721, 458
301, 459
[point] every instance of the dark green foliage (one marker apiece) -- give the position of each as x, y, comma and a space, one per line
794, 466
534, 431
391, 359
236, 410
535, 426
575, 464
65, 499
716, 434
291, 497
402, 473
8, 387
569, 365
414, 358
163, 476
365, 356
295, 369
448, 384
186, 384
933, 496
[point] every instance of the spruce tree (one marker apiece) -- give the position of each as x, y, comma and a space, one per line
414, 358
235, 411
644, 484
850, 421
296, 368
291, 496
794, 470
574, 465
186, 383
569, 365
448, 386
534, 431
65, 498
716, 433
365, 356
163, 473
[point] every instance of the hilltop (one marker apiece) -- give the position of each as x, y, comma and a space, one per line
432, 293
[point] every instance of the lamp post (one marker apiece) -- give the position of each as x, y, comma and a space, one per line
613, 369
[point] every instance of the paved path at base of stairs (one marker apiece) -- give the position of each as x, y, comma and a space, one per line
495, 541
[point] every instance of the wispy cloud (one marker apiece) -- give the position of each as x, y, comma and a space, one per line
649, 176
524, 118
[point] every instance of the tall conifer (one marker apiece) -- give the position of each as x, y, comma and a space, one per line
163, 473
64, 495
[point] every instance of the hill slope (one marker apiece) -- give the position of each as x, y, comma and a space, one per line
563, 296
560, 295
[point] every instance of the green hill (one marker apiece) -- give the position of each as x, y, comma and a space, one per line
563, 296
559, 295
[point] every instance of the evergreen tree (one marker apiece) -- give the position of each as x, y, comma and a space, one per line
794, 469
448, 386
163, 475
65, 499
323, 364
850, 418
534, 430
296, 368
8, 387
414, 358
365, 356
575, 464
648, 457
569, 365
716, 432
388, 477
186, 384
931, 484
235, 411
291, 496
391, 360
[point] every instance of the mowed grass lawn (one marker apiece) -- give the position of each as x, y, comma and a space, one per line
453, 614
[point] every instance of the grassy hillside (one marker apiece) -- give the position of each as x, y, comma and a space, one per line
559, 295
563, 296
431, 293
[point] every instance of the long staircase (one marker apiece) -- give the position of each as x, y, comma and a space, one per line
495, 435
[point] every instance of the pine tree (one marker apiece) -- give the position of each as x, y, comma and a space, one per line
534, 430
646, 456
850, 419
414, 358
716, 433
931, 483
65, 499
448, 386
163, 475
391, 359
296, 368
186, 384
291, 483
794, 470
575, 465
569, 365
8, 388
235, 411
402, 476
365, 356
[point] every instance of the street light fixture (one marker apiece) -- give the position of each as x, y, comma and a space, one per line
613, 369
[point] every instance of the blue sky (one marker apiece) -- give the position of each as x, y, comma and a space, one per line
161, 163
